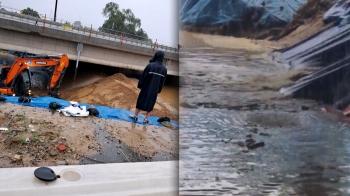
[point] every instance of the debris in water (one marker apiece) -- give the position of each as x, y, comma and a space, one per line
240, 144
249, 141
305, 107
254, 130
253, 146
264, 134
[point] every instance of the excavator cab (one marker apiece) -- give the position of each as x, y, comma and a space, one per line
23, 84
4, 69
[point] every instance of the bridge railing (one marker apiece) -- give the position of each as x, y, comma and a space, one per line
91, 32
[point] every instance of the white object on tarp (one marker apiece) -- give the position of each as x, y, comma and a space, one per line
74, 109
137, 178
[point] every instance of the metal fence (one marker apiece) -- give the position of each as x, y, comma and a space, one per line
87, 30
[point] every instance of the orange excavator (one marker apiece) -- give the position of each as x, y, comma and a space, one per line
16, 79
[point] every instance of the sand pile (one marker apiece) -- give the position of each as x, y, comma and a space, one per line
117, 91
193, 40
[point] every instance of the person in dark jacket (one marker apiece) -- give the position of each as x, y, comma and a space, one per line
151, 83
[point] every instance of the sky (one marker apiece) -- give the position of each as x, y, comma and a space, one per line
159, 18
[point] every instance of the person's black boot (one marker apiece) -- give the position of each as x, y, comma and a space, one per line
133, 117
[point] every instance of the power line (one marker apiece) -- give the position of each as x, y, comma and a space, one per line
76, 10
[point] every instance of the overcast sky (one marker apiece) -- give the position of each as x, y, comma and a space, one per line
159, 18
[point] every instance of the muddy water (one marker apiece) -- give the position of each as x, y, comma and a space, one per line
170, 95
115, 151
306, 152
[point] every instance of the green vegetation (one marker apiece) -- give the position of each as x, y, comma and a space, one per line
21, 139
9, 131
34, 136
123, 21
25, 120
30, 12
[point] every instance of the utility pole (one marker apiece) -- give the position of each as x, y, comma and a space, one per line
54, 19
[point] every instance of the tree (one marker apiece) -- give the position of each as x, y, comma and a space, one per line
30, 12
77, 24
123, 21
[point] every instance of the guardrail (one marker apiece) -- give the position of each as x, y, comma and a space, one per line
113, 36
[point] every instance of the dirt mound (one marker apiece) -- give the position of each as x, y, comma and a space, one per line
116, 91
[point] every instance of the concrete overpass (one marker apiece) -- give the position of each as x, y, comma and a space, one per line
23, 33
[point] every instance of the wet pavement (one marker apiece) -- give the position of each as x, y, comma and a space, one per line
305, 151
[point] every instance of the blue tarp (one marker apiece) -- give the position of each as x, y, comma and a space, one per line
20, 54
12, 52
215, 12
105, 112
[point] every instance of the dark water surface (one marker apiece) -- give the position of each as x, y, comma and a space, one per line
306, 152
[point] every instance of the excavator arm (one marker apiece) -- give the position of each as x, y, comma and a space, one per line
60, 65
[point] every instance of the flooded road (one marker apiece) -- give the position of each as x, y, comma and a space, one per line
226, 99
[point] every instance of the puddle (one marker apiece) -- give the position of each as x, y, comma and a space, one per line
115, 151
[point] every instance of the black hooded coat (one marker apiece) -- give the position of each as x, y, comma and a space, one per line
151, 82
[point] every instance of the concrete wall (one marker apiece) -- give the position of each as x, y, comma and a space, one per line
24, 37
